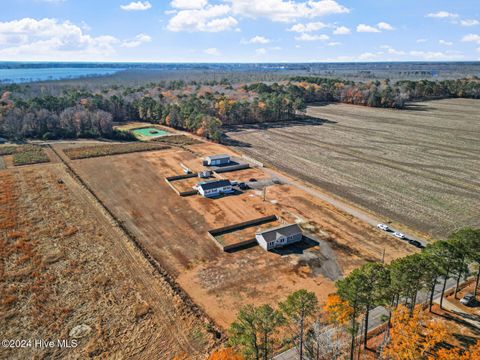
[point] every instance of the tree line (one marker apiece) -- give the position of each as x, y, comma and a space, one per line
257, 331
377, 284
384, 93
60, 111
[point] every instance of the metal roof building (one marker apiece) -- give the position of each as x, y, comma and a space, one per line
215, 160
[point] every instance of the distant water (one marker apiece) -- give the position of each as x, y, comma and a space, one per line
41, 74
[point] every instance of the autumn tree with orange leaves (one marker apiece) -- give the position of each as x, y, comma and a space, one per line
413, 337
225, 354
473, 353
338, 311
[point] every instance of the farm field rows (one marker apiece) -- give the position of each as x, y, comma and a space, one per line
174, 231
419, 167
111, 149
67, 273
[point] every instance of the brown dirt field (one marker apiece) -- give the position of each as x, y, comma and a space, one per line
245, 234
419, 167
63, 264
245, 175
174, 231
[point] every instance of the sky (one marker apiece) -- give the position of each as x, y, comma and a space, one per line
240, 30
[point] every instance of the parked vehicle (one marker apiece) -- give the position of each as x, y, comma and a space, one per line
383, 227
416, 243
468, 300
399, 235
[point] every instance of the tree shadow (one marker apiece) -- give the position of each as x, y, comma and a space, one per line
461, 322
417, 107
303, 121
465, 340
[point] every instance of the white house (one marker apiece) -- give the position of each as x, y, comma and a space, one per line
216, 160
214, 188
279, 236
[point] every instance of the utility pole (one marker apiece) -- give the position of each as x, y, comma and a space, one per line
383, 256
265, 193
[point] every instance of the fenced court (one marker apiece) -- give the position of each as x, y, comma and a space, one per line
149, 133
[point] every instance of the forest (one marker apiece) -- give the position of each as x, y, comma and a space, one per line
52, 111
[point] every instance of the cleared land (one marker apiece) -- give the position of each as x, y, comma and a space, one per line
66, 272
174, 231
420, 167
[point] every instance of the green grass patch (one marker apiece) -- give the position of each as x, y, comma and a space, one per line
85, 152
8, 150
29, 154
181, 140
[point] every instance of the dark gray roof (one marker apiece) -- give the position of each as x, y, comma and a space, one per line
217, 157
208, 185
280, 231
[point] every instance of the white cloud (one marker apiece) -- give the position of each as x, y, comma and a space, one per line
212, 18
258, 40
435, 55
48, 39
261, 51
189, 4
391, 51
442, 15
137, 41
445, 42
286, 10
385, 26
309, 37
136, 6
334, 43
342, 30
308, 27
421, 41
212, 51
362, 28
469, 22
471, 38
370, 56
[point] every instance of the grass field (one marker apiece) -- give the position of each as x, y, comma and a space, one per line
63, 265
420, 167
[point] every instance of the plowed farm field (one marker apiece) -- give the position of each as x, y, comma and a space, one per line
419, 167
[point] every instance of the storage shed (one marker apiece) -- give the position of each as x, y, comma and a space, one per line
279, 236
216, 160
